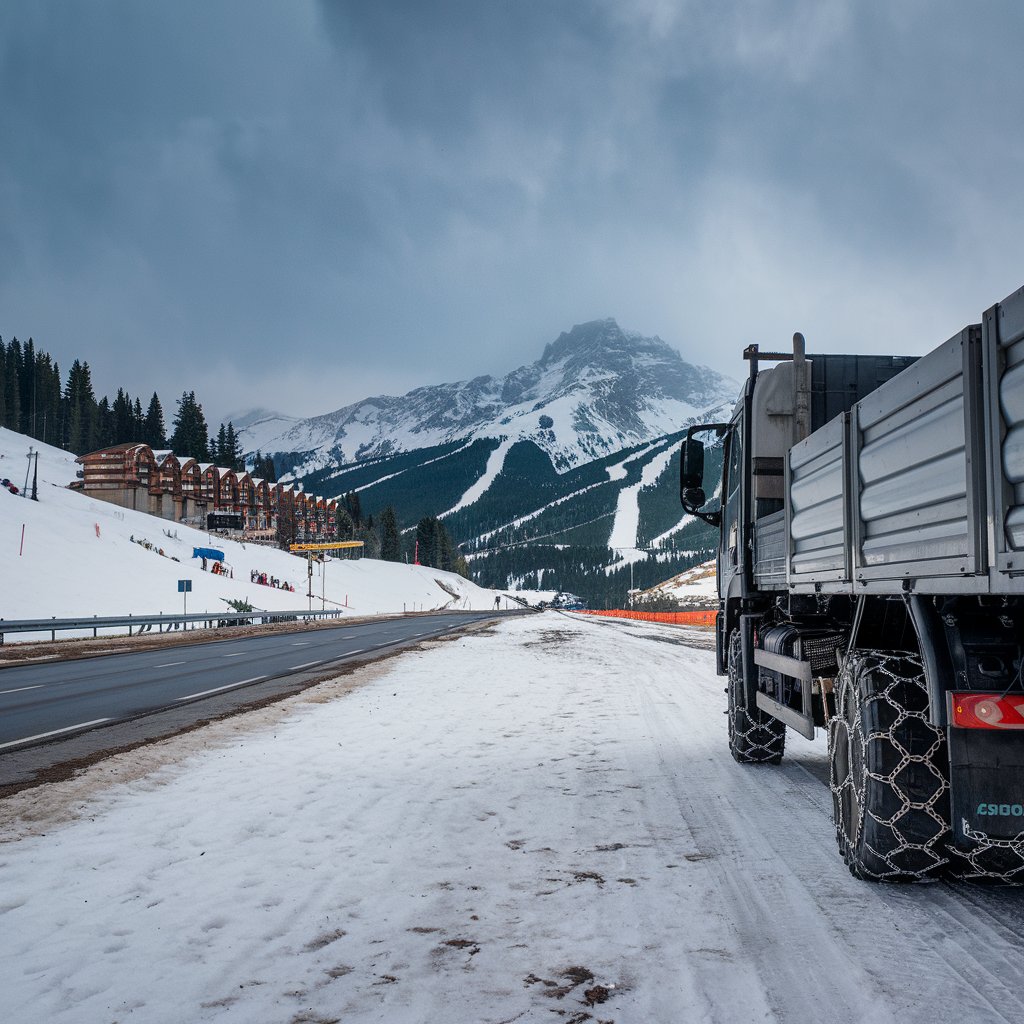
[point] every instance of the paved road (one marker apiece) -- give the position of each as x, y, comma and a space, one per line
40, 703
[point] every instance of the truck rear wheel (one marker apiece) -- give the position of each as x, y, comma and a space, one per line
889, 770
754, 736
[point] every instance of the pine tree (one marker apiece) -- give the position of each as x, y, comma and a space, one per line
190, 431
80, 403
390, 539
3, 384
14, 385
104, 426
354, 506
121, 416
138, 420
27, 389
426, 541
346, 528
153, 430
233, 457
219, 448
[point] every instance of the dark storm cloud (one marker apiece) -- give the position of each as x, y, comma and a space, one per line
294, 205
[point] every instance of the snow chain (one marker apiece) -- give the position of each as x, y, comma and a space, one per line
969, 864
905, 856
754, 737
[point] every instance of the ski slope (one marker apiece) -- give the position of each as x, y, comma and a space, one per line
514, 826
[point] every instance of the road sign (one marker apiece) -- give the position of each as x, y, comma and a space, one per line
184, 586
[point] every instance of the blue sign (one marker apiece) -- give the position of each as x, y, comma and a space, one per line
184, 586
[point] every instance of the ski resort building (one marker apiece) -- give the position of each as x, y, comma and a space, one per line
185, 491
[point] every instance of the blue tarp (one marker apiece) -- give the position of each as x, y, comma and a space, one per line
217, 556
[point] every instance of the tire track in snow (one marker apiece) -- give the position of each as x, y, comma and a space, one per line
777, 873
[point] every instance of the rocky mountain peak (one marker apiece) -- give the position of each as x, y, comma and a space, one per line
596, 387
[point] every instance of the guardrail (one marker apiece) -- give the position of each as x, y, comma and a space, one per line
147, 622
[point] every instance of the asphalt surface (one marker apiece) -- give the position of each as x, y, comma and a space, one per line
45, 703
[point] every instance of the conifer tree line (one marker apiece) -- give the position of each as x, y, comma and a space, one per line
33, 401
431, 541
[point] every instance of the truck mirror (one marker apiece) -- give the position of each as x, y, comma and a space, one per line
691, 474
694, 497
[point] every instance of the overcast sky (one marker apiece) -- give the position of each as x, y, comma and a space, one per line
297, 204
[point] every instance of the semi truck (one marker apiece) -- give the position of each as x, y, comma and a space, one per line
871, 584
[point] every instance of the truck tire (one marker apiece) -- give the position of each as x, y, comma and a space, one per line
889, 770
754, 736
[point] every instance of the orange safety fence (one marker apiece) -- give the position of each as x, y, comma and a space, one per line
672, 618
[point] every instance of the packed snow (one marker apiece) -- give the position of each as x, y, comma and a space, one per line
68, 555
698, 585
514, 826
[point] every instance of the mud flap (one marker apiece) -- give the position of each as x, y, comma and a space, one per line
986, 769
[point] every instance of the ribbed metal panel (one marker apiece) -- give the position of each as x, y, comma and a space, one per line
1011, 408
817, 486
916, 489
770, 551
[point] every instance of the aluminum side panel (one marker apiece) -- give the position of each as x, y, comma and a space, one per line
818, 548
1004, 359
917, 478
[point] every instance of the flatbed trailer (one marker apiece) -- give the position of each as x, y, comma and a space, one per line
871, 583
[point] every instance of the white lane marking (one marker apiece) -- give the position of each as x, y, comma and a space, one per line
238, 655
22, 689
169, 664
360, 651
54, 732
301, 643
217, 689
295, 668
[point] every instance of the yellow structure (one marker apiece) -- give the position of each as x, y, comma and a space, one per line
333, 546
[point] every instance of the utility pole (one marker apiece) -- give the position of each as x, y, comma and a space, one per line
28, 469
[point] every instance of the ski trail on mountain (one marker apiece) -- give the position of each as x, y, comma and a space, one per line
616, 471
623, 537
419, 465
495, 464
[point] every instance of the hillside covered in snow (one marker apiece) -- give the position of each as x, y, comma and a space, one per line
70, 555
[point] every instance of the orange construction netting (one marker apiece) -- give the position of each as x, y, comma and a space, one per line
672, 618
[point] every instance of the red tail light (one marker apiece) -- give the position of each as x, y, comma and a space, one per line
986, 710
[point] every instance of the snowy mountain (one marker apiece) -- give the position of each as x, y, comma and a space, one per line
595, 390
562, 475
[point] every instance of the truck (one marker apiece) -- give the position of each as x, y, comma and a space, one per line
870, 573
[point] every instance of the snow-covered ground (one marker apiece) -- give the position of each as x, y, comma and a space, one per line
68, 555
506, 827
697, 585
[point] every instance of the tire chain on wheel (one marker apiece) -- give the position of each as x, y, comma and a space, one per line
754, 737
915, 824
970, 865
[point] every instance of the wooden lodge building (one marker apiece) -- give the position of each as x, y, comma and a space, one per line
183, 490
